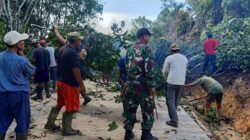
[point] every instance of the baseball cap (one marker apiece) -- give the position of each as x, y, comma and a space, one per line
33, 41
174, 47
13, 37
74, 35
142, 31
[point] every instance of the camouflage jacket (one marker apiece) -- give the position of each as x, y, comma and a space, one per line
140, 65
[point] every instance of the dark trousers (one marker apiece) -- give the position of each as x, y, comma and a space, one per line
210, 63
14, 105
173, 96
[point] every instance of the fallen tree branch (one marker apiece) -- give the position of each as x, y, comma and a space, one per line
62, 28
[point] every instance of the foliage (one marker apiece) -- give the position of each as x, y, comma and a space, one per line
121, 39
210, 116
118, 99
23, 14
102, 56
234, 50
140, 22
2, 33
112, 126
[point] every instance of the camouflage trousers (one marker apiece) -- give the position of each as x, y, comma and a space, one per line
134, 97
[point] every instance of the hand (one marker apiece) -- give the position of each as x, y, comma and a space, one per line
55, 27
82, 89
152, 91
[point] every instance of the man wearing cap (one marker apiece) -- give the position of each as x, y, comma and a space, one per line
41, 59
69, 84
174, 71
52, 67
14, 86
141, 87
81, 59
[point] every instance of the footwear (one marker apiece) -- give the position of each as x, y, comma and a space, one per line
35, 98
219, 114
54, 85
21, 136
51, 120
146, 135
39, 92
87, 99
170, 123
129, 135
2, 136
46, 87
67, 123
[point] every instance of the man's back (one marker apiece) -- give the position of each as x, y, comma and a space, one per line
177, 67
210, 85
13, 72
67, 60
42, 58
210, 45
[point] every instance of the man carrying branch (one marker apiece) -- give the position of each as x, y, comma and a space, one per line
69, 84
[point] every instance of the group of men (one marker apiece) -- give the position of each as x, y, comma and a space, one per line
14, 84
136, 76
138, 82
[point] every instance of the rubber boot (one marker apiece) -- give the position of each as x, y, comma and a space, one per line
67, 123
219, 114
146, 135
46, 87
39, 94
129, 135
51, 120
54, 85
86, 98
21, 136
2, 136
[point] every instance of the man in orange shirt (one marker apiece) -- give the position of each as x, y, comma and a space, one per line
210, 45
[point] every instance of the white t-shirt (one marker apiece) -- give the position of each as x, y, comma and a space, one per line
175, 66
52, 56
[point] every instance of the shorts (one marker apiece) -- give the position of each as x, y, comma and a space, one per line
14, 105
217, 97
52, 71
68, 96
41, 76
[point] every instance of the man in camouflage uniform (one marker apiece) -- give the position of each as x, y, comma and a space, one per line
141, 87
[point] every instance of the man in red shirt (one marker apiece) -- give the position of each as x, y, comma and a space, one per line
210, 45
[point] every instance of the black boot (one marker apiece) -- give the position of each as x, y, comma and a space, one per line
39, 94
46, 87
67, 123
86, 98
21, 136
146, 135
51, 120
2, 136
129, 135
54, 85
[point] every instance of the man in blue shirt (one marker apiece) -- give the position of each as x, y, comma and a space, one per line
14, 86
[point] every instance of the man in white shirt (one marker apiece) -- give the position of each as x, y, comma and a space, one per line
174, 71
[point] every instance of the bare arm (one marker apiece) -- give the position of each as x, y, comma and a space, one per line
78, 77
59, 36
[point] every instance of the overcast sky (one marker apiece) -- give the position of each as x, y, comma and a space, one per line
117, 10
